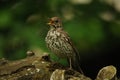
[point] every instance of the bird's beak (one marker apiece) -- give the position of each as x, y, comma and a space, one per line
49, 23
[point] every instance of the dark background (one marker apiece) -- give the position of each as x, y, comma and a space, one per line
93, 25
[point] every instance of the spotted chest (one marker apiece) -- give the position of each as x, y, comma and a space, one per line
58, 44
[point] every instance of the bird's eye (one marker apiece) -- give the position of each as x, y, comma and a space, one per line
56, 21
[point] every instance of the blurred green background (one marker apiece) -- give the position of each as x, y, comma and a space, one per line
93, 25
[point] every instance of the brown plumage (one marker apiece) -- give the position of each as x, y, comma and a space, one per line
59, 43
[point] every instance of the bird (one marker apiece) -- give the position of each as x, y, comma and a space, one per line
60, 44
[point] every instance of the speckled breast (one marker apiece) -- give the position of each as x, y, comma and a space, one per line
56, 43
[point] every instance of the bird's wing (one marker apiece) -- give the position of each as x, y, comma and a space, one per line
69, 41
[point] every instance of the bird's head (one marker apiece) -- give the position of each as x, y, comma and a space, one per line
55, 22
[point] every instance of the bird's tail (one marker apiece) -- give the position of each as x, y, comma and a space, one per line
75, 62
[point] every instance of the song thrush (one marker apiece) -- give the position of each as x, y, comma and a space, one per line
59, 43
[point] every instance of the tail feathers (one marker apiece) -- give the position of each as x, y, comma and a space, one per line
75, 61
